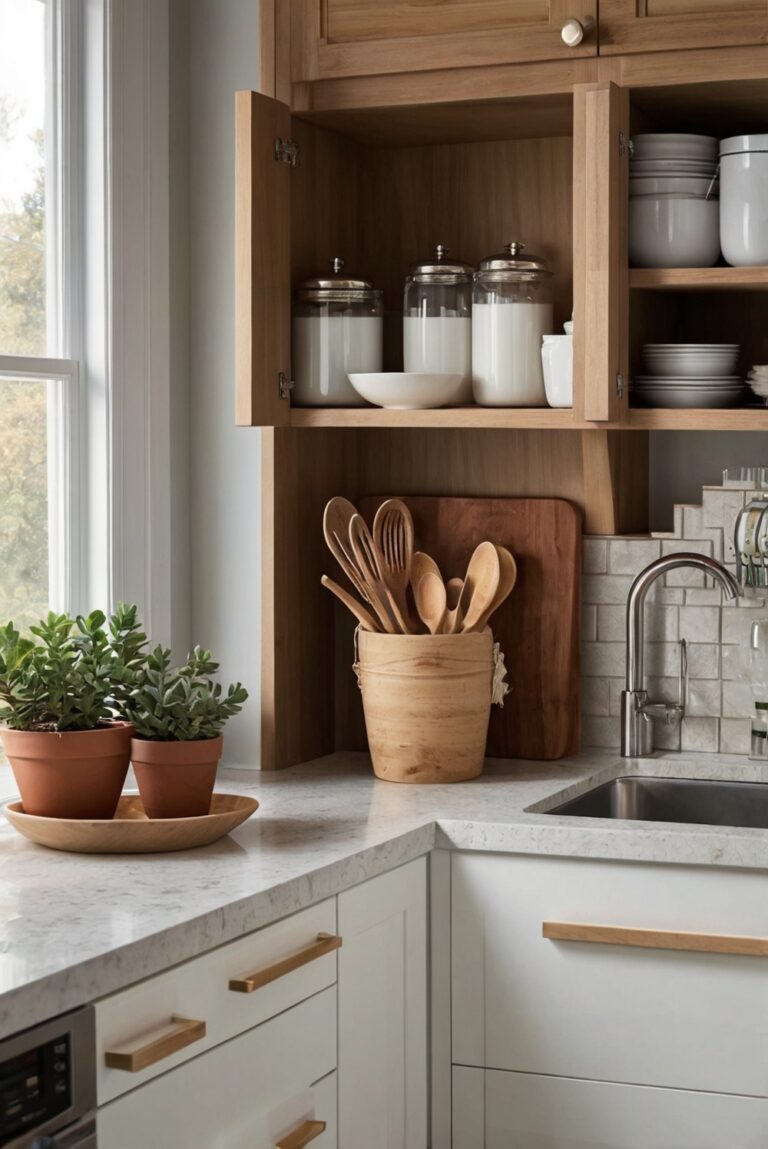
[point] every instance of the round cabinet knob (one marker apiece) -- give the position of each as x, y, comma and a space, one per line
573, 31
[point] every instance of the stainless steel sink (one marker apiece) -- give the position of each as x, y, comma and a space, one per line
703, 803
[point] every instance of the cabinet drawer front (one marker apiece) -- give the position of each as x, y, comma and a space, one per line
615, 1008
275, 1084
146, 1030
524, 1111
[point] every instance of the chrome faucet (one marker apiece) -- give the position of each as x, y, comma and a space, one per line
637, 712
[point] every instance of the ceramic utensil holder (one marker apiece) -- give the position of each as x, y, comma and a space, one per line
427, 703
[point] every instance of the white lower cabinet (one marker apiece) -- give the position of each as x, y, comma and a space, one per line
383, 1011
252, 1092
496, 1110
611, 1012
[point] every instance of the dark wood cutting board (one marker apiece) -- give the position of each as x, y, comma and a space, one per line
538, 625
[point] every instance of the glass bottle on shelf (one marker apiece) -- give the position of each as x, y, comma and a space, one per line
511, 312
337, 330
437, 324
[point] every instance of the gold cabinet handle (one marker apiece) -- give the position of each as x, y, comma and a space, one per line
323, 944
167, 1039
302, 1135
655, 939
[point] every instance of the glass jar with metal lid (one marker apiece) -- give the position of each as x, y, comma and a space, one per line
511, 312
337, 329
437, 323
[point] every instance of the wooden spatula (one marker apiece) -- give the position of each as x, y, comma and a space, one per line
364, 617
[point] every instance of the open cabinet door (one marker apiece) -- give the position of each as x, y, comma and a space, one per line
601, 282
262, 262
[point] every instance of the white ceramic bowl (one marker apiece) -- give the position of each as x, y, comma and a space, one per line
687, 396
669, 231
407, 390
663, 185
691, 364
557, 364
672, 168
674, 146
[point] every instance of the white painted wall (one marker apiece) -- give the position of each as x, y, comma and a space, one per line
224, 459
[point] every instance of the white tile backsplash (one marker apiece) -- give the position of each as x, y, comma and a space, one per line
685, 605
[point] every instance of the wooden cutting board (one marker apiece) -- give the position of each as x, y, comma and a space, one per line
537, 627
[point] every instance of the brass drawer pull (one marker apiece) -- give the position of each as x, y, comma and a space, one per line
168, 1039
301, 1136
324, 944
655, 939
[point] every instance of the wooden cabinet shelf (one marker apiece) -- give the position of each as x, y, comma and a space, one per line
499, 417
699, 278
695, 419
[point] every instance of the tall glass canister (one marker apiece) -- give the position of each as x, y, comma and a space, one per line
437, 324
511, 312
337, 330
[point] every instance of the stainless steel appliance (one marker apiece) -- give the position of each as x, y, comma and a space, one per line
48, 1085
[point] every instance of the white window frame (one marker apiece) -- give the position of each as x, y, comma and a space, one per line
108, 252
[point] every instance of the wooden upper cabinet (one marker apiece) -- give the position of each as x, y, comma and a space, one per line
668, 25
335, 38
262, 261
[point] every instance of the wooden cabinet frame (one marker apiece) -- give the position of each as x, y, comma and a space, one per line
599, 456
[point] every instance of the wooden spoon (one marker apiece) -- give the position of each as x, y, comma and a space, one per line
366, 620
507, 580
422, 564
429, 593
368, 562
480, 585
336, 519
393, 535
453, 589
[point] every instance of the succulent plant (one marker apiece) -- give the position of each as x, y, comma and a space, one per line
73, 674
181, 704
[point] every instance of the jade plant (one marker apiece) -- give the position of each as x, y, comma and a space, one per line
181, 704
73, 674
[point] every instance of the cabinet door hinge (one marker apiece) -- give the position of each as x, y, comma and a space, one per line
619, 384
284, 385
625, 146
286, 151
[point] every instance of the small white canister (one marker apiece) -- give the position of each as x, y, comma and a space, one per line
744, 200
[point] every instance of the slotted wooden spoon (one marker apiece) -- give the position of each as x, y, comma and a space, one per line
393, 535
368, 562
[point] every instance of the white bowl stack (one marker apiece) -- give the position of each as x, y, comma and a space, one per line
673, 209
689, 375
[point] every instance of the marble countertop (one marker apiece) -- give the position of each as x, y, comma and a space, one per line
75, 927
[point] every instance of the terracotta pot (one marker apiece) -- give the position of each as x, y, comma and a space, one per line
176, 778
75, 774
427, 702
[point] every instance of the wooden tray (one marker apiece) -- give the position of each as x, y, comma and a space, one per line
538, 625
131, 831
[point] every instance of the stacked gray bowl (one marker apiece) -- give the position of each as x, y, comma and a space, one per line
673, 208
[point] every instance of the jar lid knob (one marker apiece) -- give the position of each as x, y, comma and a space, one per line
337, 263
515, 247
440, 251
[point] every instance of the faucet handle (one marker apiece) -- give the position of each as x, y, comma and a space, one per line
682, 681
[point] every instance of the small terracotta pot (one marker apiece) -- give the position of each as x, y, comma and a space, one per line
73, 774
176, 778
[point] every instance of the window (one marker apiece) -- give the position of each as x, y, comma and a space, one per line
39, 309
